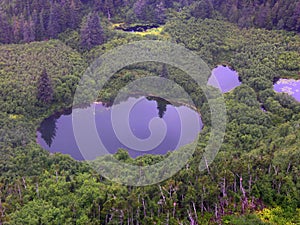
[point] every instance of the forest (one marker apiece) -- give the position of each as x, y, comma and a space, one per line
45, 47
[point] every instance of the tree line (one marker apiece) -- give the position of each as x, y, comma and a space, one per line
36, 20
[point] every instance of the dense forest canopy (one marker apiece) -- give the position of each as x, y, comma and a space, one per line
47, 45
36, 20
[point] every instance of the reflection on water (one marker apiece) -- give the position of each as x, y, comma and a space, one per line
48, 130
161, 105
289, 86
56, 133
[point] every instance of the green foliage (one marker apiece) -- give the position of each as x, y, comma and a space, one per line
242, 220
253, 180
22, 66
279, 216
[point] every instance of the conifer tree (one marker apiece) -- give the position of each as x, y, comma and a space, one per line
45, 90
160, 15
91, 32
139, 8
5, 29
28, 31
53, 24
17, 28
164, 71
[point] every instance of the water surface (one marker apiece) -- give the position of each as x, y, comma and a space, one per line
224, 78
288, 86
56, 133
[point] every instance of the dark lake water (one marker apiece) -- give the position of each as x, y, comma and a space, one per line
289, 86
55, 133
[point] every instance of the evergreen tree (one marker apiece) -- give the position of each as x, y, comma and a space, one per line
5, 29
139, 8
45, 90
91, 32
160, 15
202, 9
53, 24
73, 12
164, 71
28, 31
17, 29
41, 26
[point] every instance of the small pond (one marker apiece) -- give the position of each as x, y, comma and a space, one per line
55, 133
289, 86
224, 78
137, 27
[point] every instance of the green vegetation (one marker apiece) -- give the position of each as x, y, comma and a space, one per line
254, 178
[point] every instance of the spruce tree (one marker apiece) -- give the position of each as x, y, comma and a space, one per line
160, 15
91, 32
28, 31
53, 24
5, 29
164, 71
45, 90
139, 9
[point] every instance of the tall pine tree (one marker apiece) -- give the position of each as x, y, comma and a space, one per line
91, 32
28, 31
45, 90
5, 29
53, 24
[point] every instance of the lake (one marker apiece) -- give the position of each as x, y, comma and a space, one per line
55, 133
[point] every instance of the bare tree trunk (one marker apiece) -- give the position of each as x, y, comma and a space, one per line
250, 183
20, 192
138, 211
288, 168
191, 218
174, 208
244, 198
279, 187
234, 185
241, 187
56, 174
168, 218
202, 204
269, 169
195, 211
216, 212
108, 15
24, 182
206, 164
224, 188
276, 170
162, 194
37, 190
144, 207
